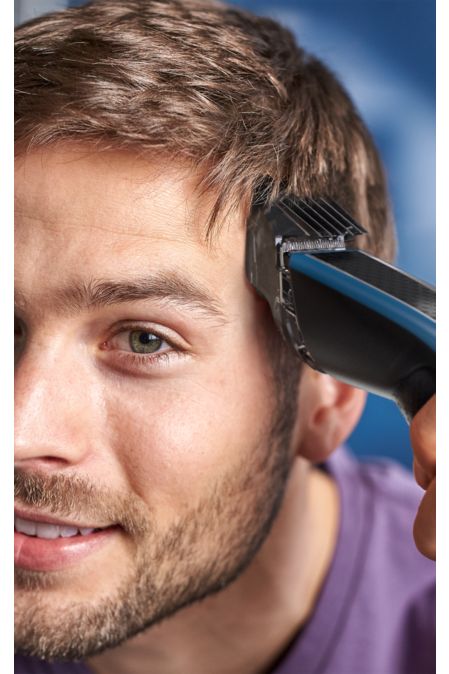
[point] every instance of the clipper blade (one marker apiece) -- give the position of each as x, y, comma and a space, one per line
314, 224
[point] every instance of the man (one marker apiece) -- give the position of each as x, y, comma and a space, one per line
183, 502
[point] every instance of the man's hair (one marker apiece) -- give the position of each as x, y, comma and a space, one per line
230, 92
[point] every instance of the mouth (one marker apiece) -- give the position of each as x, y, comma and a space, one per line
45, 543
48, 529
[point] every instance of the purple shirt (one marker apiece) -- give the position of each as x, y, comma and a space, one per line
376, 610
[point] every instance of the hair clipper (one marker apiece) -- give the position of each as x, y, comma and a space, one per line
344, 311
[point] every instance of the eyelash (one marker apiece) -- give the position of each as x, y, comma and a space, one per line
145, 360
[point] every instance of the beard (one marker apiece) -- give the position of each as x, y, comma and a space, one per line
197, 555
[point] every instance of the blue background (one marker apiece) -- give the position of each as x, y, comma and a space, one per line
384, 52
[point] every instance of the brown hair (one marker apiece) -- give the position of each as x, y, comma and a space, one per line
210, 83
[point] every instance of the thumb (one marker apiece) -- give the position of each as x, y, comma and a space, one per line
424, 528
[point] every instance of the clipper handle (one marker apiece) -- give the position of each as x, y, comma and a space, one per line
357, 331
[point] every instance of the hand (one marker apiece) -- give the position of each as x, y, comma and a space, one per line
423, 439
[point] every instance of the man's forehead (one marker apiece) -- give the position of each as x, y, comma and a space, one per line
116, 191
98, 231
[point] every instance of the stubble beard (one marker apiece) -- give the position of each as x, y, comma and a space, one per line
199, 555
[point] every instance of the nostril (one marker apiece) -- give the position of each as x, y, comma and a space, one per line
42, 463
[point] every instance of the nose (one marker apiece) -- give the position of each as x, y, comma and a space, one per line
53, 412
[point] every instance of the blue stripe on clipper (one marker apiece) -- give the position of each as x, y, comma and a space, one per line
407, 317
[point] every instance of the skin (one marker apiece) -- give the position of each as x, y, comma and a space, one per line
160, 436
423, 437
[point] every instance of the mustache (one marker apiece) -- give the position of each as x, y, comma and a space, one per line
77, 497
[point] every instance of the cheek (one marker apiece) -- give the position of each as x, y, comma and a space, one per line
176, 439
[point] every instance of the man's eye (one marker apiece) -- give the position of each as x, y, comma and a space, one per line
19, 329
19, 337
142, 341
136, 348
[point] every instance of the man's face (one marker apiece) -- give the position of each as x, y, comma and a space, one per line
146, 404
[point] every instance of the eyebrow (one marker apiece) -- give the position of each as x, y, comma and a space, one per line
173, 287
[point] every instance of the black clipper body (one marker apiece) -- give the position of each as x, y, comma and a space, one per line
344, 311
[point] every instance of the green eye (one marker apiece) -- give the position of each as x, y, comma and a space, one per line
142, 341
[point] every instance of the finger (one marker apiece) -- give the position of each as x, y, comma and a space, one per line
424, 529
423, 436
422, 477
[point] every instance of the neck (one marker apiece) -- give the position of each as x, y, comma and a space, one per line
247, 626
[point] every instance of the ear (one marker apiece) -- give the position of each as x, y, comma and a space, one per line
328, 411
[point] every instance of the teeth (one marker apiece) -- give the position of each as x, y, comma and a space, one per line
25, 526
44, 530
49, 531
67, 532
86, 532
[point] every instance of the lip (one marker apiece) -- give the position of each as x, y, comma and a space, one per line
41, 554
